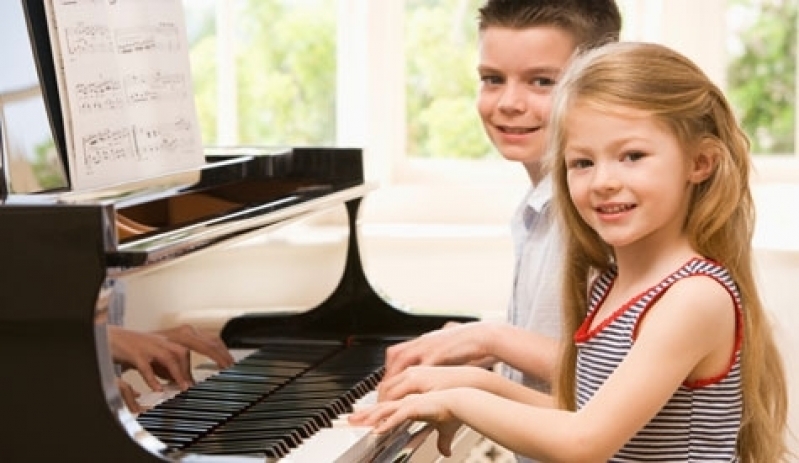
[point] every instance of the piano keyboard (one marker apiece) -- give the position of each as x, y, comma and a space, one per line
283, 403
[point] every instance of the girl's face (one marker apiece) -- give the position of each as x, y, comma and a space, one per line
518, 69
628, 176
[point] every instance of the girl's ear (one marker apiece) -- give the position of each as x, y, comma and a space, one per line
705, 160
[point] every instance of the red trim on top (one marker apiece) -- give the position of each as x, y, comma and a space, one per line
584, 333
739, 339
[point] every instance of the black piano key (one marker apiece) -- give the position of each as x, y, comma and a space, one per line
232, 386
275, 403
271, 448
242, 397
184, 403
185, 426
158, 412
276, 449
174, 440
305, 425
320, 417
166, 413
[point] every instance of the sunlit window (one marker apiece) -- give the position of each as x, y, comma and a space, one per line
319, 71
264, 70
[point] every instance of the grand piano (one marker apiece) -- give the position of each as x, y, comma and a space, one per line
297, 374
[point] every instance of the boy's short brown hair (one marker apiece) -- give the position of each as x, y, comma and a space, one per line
590, 22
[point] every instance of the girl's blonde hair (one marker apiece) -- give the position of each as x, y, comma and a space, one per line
720, 219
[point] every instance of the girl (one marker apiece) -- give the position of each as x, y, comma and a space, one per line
672, 358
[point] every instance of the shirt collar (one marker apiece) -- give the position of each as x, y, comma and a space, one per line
541, 194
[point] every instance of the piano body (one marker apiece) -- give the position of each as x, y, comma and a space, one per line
62, 249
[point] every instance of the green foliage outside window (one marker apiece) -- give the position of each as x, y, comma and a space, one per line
762, 79
286, 74
442, 80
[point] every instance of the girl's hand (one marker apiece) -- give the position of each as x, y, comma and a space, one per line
454, 344
419, 379
432, 408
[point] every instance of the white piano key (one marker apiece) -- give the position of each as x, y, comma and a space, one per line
204, 368
343, 444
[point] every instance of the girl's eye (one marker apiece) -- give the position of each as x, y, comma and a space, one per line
633, 156
579, 163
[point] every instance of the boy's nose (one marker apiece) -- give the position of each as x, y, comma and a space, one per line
512, 99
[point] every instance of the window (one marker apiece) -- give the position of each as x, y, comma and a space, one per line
397, 77
264, 70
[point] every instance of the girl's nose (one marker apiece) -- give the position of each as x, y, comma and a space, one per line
605, 178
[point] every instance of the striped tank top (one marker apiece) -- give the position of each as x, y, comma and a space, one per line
701, 420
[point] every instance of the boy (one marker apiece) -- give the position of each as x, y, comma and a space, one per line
524, 47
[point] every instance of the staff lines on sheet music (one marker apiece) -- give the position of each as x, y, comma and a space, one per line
161, 37
123, 70
105, 94
100, 95
138, 142
141, 87
107, 146
173, 138
86, 39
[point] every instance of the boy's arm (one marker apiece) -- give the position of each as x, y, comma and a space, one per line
420, 379
477, 343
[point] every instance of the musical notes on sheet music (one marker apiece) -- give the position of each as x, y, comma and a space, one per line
89, 38
106, 146
155, 86
104, 94
172, 138
137, 143
107, 94
126, 89
160, 37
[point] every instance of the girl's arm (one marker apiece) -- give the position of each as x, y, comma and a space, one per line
689, 334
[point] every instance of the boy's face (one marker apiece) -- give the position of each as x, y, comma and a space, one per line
518, 69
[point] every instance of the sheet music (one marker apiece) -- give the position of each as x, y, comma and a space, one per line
126, 93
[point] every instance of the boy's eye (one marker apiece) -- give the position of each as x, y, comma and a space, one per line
491, 80
543, 82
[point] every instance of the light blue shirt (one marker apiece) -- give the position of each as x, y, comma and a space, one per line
539, 254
